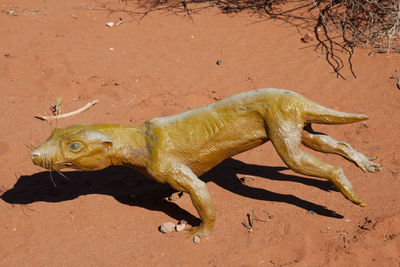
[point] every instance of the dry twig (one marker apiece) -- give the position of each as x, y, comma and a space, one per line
82, 109
250, 219
267, 220
131, 100
56, 109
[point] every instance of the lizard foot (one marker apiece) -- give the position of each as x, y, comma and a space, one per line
199, 231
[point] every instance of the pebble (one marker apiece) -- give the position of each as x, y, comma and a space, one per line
167, 227
196, 239
180, 227
307, 38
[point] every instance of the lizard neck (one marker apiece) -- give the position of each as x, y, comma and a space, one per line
128, 146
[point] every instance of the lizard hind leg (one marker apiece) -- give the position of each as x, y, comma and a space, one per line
324, 143
287, 143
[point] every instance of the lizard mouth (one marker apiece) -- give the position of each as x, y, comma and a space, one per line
41, 159
61, 165
64, 163
56, 166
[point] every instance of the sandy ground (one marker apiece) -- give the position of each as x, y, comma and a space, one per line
168, 63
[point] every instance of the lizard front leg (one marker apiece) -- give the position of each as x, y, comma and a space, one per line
181, 178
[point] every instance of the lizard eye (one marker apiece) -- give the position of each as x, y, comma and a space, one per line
75, 146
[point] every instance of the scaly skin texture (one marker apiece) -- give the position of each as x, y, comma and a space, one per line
177, 149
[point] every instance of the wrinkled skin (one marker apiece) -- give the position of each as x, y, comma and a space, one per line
177, 149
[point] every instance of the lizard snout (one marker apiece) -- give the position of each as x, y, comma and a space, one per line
38, 159
35, 154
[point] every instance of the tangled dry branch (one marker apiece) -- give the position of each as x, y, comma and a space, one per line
339, 25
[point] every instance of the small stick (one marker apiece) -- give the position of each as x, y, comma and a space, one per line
119, 22
130, 101
82, 109
253, 212
269, 217
56, 109
251, 219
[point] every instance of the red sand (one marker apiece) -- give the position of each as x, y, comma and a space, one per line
168, 63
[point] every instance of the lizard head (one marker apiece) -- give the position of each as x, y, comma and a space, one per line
79, 147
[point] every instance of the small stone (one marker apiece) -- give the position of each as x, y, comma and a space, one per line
110, 24
180, 227
182, 222
312, 212
219, 62
196, 239
167, 227
307, 38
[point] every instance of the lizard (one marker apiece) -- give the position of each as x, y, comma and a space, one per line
178, 149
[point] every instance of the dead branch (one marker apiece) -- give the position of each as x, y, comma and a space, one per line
82, 109
339, 25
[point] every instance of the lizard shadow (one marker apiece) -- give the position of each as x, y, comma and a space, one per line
131, 188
